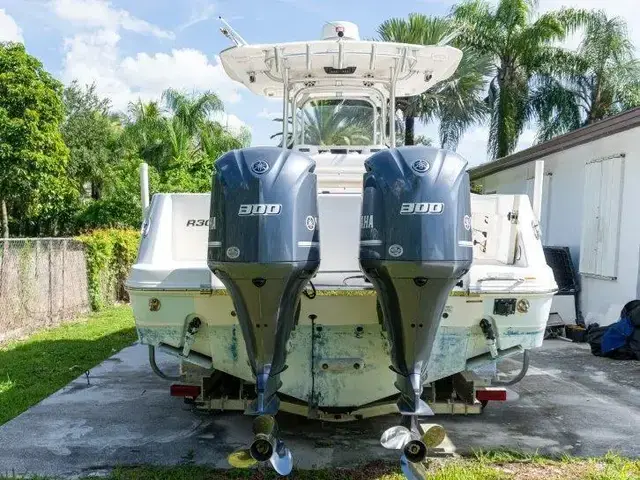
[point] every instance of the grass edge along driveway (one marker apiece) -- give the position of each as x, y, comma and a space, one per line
34, 368
482, 466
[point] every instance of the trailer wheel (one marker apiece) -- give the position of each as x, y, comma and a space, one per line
484, 403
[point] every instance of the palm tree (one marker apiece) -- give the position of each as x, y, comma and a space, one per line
144, 132
192, 111
330, 122
458, 101
181, 141
333, 122
603, 79
216, 140
522, 48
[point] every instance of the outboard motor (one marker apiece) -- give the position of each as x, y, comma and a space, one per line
415, 243
264, 247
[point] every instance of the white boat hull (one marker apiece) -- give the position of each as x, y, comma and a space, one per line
339, 344
338, 354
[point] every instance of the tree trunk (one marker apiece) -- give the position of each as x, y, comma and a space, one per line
502, 133
409, 130
95, 190
4, 216
596, 98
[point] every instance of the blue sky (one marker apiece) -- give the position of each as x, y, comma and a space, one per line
137, 48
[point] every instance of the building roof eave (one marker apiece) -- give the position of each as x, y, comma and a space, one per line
609, 126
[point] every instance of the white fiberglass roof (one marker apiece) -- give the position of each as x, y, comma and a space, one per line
338, 64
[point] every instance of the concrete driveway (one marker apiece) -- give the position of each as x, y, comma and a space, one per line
122, 414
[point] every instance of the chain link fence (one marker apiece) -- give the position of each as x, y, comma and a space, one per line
43, 281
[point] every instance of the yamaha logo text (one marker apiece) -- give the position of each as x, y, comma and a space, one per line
250, 209
366, 221
421, 208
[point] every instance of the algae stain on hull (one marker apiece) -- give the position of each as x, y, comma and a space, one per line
233, 347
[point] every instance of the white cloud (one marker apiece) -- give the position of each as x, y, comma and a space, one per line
9, 29
269, 115
231, 121
202, 12
93, 56
527, 139
473, 146
100, 14
183, 69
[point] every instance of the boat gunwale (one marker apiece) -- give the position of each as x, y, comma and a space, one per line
344, 292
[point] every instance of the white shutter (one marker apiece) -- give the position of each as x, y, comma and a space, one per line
601, 217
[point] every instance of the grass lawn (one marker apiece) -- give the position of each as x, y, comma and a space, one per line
484, 466
34, 368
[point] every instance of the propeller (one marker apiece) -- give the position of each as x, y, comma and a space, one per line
414, 446
265, 446
241, 458
413, 471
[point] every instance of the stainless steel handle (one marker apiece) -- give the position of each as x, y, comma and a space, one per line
501, 279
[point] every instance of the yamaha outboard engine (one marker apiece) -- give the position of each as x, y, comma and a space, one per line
264, 247
415, 243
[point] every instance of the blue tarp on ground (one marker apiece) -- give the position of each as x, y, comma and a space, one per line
620, 340
617, 335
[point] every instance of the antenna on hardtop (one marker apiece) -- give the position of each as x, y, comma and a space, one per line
228, 31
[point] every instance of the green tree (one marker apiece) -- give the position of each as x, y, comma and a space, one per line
602, 79
91, 133
192, 112
456, 102
119, 205
423, 140
337, 122
332, 122
180, 140
523, 47
33, 157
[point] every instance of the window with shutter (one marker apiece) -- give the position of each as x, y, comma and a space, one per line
601, 217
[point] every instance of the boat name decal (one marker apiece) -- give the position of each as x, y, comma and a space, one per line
251, 209
422, 208
202, 222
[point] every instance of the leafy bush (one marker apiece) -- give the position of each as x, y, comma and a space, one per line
109, 213
110, 254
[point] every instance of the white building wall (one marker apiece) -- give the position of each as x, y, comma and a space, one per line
562, 211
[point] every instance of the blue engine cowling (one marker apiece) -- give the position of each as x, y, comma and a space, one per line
416, 206
264, 247
415, 243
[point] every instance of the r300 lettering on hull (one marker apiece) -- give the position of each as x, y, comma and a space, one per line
259, 209
421, 208
200, 222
